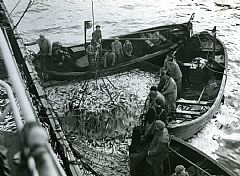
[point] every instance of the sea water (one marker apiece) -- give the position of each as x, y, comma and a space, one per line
62, 20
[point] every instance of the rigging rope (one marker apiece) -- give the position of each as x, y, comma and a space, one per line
31, 2
14, 7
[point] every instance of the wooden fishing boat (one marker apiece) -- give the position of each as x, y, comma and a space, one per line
150, 45
203, 61
180, 153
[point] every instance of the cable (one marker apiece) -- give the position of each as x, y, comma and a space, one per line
27, 8
14, 7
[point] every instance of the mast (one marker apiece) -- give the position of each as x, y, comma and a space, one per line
214, 41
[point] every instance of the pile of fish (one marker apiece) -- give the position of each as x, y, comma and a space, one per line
98, 116
102, 108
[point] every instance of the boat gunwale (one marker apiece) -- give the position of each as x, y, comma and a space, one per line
209, 158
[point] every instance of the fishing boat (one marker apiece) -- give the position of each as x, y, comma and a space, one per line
180, 153
150, 46
203, 61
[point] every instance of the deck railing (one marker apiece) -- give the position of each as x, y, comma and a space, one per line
35, 147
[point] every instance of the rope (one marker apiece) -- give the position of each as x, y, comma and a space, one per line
27, 8
14, 7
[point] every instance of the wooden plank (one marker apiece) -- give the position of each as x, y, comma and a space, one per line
194, 102
187, 112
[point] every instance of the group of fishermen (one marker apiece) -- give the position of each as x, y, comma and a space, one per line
159, 107
115, 55
59, 54
55, 51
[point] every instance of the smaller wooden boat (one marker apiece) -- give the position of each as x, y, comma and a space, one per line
180, 153
146, 47
203, 61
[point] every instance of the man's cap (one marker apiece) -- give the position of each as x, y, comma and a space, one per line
98, 26
179, 168
58, 43
41, 36
116, 38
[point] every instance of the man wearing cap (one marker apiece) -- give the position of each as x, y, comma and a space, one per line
45, 48
152, 96
158, 150
180, 171
173, 70
127, 49
96, 37
168, 88
117, 49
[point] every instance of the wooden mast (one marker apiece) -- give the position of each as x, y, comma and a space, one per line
214, 41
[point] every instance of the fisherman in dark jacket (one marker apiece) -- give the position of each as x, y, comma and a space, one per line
158, 150
96, 38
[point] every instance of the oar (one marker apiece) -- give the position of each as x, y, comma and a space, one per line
178, 154
200, 97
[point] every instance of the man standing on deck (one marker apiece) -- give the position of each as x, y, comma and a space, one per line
158, 150
174, 71
167, 86
96, 38
45, 47
117, 49
152, 96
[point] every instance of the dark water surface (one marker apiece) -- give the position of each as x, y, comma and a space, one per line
62, 20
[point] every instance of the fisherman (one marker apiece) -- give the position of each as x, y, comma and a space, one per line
117, 49
155, 112
157, 38
161, 113
127, 49
174, 71
59, 53
180, 171
158, 150
96, 38
167, 86
45, 49
152, 96
91, 55
109, 56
